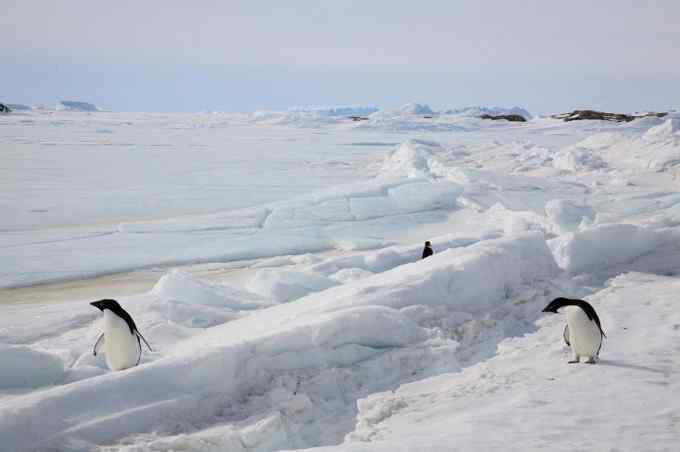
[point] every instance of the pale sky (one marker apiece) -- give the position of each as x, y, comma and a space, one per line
172, 55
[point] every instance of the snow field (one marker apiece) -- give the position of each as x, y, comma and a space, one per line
365, 346
362, 330
533, 401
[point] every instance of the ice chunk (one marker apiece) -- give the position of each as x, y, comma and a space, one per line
24, 367
285, 285
567, 215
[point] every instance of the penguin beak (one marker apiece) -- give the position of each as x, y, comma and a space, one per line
98, 305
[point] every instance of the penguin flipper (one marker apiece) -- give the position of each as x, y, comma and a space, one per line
139, 351
147, 344
99, 344
565, 335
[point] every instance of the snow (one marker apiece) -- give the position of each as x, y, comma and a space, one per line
302, 315
23, 366
533, 401
285, 285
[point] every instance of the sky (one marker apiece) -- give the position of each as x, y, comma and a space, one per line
547, 56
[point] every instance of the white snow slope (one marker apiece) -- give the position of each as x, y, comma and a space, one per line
331, 332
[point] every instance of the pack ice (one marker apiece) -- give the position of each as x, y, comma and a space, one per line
328, 331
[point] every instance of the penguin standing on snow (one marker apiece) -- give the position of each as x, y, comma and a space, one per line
427, 250
583, 331
120, 340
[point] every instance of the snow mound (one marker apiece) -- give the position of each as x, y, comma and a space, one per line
568, 216
24, 367
640, 147
181, 286
285, 285
607, 245
578, 159
70, 105
196, 304
350, 274
415, 158
415, 109
670, 129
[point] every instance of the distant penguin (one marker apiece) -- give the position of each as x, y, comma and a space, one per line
427, 251
583, 332
120, 340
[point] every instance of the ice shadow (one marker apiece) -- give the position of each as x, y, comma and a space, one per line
624, 365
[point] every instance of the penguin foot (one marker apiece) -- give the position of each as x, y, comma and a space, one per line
573, 361
591, 360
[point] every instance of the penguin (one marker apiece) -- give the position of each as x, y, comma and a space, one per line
427, 250
120, 340
583, 332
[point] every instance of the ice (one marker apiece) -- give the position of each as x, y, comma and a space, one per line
26, 367
567, 216
285, 285
526, 394
346, 110
302, 314
192, 303
71, 105
415, 109
602, 246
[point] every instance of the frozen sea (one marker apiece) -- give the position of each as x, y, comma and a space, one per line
272, 260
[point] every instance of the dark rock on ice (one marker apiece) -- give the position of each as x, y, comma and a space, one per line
514, 118
578, 115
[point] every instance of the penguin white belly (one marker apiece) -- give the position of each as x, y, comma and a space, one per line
121, 348
584, 335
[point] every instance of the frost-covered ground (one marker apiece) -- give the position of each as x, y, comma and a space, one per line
328, 331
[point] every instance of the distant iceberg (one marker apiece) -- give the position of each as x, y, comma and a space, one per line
70, 105
343, 110
415, 109
19, 107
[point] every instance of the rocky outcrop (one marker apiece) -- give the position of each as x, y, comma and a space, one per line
4, 108
578, 115
514, 118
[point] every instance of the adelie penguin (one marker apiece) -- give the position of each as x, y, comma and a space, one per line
583, 332
121, 340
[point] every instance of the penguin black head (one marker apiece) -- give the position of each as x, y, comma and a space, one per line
557, 303
428, 244
107, 304
113, 306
